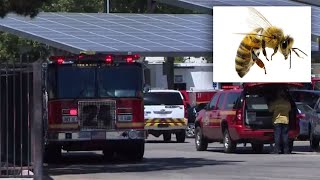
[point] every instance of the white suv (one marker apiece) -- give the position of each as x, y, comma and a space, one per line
164, 114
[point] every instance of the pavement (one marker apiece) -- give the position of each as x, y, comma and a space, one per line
181, 161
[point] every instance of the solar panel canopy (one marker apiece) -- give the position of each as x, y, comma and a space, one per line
206, 6
148, 35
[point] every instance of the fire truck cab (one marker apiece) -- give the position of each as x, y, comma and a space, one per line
93, 102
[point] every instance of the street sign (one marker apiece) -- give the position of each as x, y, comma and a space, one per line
214, 84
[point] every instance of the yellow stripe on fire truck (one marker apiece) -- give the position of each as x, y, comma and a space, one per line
170, 121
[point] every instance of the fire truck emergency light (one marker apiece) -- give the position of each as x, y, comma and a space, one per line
107, 58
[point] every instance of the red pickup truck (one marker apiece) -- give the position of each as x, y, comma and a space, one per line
242, 116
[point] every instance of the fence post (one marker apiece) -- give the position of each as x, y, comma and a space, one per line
36, 125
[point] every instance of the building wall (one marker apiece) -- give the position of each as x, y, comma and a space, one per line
197, 75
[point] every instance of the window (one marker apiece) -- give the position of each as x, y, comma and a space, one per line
304, 108
166, 98
213, 101
73, 81
221, 99
231, 101
256, 103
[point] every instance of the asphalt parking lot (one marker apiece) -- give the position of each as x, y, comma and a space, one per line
181, 161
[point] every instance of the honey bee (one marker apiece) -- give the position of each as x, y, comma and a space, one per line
265, 36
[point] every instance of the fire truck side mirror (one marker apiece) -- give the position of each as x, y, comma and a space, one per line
146, 88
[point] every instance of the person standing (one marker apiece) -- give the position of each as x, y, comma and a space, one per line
280, 107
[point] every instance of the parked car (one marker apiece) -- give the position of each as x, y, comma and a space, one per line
192, 114
242, 116
306, 96
305, 121
315, 128
165, 114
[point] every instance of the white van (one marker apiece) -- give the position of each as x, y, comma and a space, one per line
164, 114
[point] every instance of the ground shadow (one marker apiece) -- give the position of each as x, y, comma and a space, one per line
87, 164
297, 149
240, 150
165, 142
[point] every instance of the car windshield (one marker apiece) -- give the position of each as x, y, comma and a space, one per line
162, 98
304, 108
70, 81
317, 85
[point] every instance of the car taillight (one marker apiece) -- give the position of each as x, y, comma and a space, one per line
301, 116
238, 118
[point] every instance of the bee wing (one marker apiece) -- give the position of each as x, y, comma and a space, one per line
256, 20
256, 34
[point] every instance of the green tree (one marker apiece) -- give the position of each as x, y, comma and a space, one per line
141, 6
21, 7
87, 6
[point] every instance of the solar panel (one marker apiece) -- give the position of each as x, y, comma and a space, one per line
148, 35
206, 6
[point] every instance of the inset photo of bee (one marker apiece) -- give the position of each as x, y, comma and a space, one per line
261, 44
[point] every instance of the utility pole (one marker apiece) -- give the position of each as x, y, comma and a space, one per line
106, 6
170, 72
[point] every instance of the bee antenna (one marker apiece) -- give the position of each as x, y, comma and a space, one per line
299, 50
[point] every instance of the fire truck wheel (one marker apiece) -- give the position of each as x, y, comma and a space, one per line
181, 136
167, 136
52, 154
136, 152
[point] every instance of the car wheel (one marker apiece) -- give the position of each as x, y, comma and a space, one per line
167, 137
314, 143
190, 131
181, 136
229, 145
200, 141
257, 147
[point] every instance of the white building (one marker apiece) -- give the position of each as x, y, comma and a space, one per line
194, 74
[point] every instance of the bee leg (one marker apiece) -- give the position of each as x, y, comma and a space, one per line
290, 58
263, 44
274, 52
260, 64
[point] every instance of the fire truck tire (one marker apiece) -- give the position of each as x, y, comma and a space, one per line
52, 154
135, 152
167, 136
181, 136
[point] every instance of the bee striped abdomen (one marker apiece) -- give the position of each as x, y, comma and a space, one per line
243, 60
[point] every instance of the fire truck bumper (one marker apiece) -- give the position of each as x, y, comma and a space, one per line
97, 135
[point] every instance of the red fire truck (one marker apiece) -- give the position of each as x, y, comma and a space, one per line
94, 102
199, 96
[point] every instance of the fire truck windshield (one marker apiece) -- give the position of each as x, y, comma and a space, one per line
94, 82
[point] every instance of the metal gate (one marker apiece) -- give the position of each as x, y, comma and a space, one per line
20, 120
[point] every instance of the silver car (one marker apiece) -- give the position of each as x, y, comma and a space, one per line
309, 124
